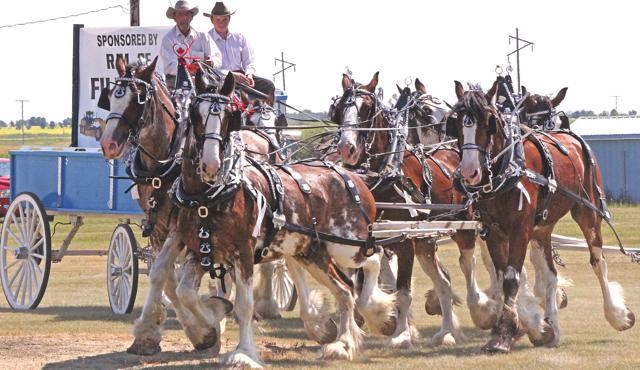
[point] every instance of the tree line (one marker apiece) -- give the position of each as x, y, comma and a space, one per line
35, 122
44, 123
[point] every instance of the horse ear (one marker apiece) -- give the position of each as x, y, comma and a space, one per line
347, 82
121, 66
492, 94
399, 88
420, 87
524, 90
374, 82
201, 85
459, 90
559, 98
229, 85
146, 73
451, 129
271, 99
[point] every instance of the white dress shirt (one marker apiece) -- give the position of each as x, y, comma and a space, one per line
237, 54
198, 44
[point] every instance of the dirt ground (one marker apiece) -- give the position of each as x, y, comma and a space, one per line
106, 351
93, 352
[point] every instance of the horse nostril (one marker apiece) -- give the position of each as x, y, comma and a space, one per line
352, 149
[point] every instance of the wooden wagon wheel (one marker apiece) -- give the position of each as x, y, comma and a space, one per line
284, 291
25, 252
122, 270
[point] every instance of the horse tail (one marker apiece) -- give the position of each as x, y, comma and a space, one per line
593, 171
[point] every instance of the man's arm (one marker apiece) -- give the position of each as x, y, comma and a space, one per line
211, 51
168, 56
247, 56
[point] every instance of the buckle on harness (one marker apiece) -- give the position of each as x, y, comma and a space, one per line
156, 182
278, 220
487, 188
369, 246
553, 185
203, 212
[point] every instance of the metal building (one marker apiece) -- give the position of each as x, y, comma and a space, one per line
616, 143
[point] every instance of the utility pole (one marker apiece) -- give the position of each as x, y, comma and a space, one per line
517, 52
22, 101
283, 68
134, 10
616, 98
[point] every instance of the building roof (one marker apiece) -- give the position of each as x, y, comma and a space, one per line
606, 126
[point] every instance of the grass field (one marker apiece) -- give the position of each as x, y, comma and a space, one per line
74, 327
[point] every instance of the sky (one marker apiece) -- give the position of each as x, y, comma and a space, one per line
591, 47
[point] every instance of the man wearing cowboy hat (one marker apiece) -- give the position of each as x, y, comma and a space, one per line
237, 54
184, 41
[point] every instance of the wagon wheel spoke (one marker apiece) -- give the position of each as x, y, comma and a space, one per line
17, 272
36, 246
14, 236
33, 224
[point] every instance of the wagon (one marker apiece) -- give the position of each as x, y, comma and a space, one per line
77, 183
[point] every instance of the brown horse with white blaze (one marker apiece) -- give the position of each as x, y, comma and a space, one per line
255, 209
365, 137
522, 190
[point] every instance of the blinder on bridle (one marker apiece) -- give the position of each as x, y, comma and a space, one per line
347, 100
218, 104
119, 90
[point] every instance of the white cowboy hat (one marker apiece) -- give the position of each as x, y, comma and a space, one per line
181, 5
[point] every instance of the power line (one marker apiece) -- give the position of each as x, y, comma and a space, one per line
64, 16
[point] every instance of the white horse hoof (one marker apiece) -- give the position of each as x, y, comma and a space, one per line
337, 351
446, 339
402, 341
241, 360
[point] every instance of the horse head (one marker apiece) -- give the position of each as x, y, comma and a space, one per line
539, 111
356, 109
134, 104
210, 114
425, 115
479, 129
259, 113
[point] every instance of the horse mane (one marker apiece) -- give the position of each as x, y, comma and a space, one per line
475, 102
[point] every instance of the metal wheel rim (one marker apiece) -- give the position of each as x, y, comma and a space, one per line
284, 290
25, 252
122, 270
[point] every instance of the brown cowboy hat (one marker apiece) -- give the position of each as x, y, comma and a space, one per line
219, 9
181, 5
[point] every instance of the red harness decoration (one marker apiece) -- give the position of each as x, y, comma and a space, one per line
238, 105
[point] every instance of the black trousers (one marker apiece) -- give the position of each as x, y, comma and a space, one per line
261, 84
